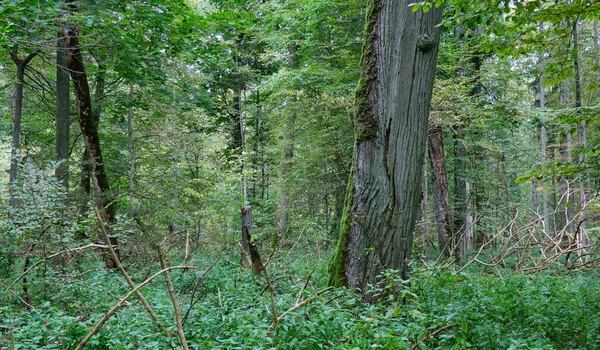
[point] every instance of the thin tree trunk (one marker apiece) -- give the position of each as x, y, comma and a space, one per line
580, 134
16, 116
393, 101
63, 118
460, 188
425, 210
89, 130
543, 142
86, 169
131, 152
283, 207
441, 192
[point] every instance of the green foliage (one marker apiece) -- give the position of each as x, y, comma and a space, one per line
486, 312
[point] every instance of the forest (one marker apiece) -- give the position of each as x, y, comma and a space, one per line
299, 174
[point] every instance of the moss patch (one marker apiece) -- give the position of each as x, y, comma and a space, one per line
366, 123
337, 265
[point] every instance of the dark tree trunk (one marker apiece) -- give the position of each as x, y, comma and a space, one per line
89, 130
86, 169
393, 102
441, 192
16, 116
250, 254
63, 117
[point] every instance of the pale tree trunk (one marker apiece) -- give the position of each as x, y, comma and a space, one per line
543, 143
63, 118
283, 207
467, 242
89, 130
17, 113
441, 192
580, 135
393, 102
131, 153
460, 189
425, 211
565, 217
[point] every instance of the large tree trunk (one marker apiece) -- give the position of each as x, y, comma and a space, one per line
63, 118
393, 103
16, 116
441, 192
89, 130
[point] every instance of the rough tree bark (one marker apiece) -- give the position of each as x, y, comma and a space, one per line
441, 192
63, 118
89, 128
16, 116
393, 102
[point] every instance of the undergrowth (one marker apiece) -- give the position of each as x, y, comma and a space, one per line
229, 308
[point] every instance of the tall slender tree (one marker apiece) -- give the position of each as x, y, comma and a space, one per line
63, 117
17, 113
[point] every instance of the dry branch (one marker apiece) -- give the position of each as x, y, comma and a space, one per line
118, 305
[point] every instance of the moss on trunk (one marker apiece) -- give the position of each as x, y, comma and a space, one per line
337, 272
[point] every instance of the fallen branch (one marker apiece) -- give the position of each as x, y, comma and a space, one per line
126, 275
295, 307
118, 305
163, 265
433, 334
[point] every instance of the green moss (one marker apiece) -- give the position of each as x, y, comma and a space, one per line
365, 121
337, 268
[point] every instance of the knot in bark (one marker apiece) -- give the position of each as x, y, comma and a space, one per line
425, 42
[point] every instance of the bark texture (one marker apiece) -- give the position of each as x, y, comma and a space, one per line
250, 252
393, 102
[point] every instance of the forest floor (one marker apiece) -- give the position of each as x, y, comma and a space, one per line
229, 308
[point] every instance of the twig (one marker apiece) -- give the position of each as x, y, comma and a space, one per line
304, 287
118, 305
295, 307
433, 334
29, 306
163, 265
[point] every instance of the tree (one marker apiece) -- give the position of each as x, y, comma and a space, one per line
392, 110
63, 117
21, 64
89, 127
